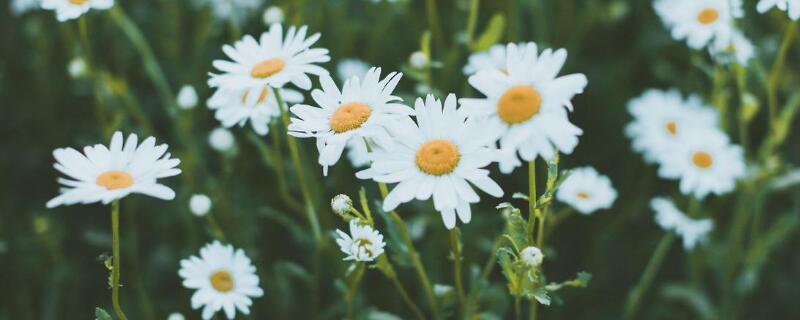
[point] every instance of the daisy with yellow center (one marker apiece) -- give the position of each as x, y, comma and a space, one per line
438, 157
361, 110
699, 21
272, 61
72, 9
104, 174
662, 118
363, 243
586, 190
238, 107
529, 101
224, 279
705, 162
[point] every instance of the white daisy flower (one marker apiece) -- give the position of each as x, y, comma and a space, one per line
671, 219
738, 49
348, 68
705, 162
358, 154
790, 6
19, 7
362, 244
661, 120
225, 279
272, 15
199, 204
699, 21
529, 102
104, 174
187, 97
418, 59
532, 256
494, 58
362, 109
273, 61
439, 156
222, 140
586, 190
72, 9
236, 10
237, 107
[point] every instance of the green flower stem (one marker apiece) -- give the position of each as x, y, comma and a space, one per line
472, 20
777, 68
294, 152
455, 245
412, 251
272, 157
212, 222
741, 85
433, 24
414, 308
115, 259
656, 260
352, 289
532, 214
99, 107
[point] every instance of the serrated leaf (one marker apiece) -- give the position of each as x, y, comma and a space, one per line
507, 267
491, 35
101, 314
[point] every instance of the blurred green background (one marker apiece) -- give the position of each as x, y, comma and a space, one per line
49, 267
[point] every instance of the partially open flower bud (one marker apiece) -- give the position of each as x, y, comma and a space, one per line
532, 256
341, 204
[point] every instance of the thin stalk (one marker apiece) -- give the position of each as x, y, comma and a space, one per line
472, 20
741, 85
212, 222
275, 162
352, 289
115, 260
656, 260
100, 109
433, 24
407, 299
777, 68
531, 200
412, 251
294, 152
455, 245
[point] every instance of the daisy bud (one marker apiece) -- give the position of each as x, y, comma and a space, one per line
341, 204
187, 97
221, 139
272, 15
77, 68
418, 60
441, 290
532, 256
175, 316
200, 204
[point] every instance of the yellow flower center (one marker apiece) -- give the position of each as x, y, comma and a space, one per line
702, 159
583, 195
349, 116
267, 68
438, 157
519, 103
78, 2
672, 128
708, 16
261, 97
222, 281
364, 243
114, 180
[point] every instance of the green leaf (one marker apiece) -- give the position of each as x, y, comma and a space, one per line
101, 314
504, 259
491, 35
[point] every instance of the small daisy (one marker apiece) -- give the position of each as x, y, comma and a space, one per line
738, 49
699, 21
200, 204
272, 15
494, 58
529, 101
705, 162
348, 68
273, 61
439, 156
363, 244
187, 97
671, 219
586, 190
104, 174
237, 107
235, 10
790, 6
225, 279
661, 119
72, 9
222, 140
362, 109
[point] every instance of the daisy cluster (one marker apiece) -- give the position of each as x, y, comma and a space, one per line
683, 137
